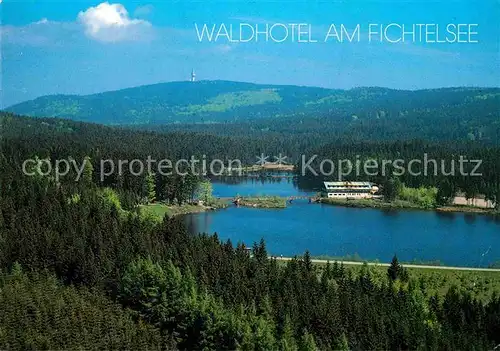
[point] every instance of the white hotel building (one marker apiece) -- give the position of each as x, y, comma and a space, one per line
350, 190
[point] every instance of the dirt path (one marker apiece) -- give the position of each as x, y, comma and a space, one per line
355, 263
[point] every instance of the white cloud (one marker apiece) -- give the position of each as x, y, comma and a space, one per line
43, 21
111, 23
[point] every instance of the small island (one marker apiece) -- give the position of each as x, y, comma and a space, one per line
261, 202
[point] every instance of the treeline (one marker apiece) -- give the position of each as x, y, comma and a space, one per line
105, 148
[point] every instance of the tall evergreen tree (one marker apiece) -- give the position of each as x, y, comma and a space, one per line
150, 187
307, 342
88, 171
341, 344
394, 269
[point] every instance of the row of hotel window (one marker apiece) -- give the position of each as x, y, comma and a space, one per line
347, 194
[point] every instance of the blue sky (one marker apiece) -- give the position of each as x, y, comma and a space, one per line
82, 47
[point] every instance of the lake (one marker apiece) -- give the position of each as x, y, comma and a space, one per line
454, 239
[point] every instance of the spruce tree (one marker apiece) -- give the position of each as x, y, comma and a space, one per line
287, 342
394, 269
88, 171
150, 188
341, 343
307, 342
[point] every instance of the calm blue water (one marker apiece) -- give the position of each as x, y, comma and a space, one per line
255, 187
452, 239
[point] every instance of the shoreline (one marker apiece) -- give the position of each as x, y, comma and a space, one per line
466, 209
277, 202
272, 203
404, 205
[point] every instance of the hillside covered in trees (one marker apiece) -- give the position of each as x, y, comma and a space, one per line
380, 113
47, 137
82, 267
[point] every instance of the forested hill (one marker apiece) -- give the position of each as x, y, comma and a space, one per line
475, 110
202, 101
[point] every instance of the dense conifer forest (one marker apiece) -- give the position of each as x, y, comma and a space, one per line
81, 267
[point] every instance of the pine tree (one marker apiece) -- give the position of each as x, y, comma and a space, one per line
287, 342
445, 193
335, 270
307, 342
326, 275
88, 171
394, 269
263, 337
260, 252
391, 189
397, 271
150, 188
308, 262
341, 344
341, 271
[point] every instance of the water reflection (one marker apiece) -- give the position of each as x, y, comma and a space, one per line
446, 215
390, 212
470, 218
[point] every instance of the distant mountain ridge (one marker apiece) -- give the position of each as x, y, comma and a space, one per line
227, 101
171, 102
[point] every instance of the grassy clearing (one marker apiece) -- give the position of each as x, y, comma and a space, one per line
158, 211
